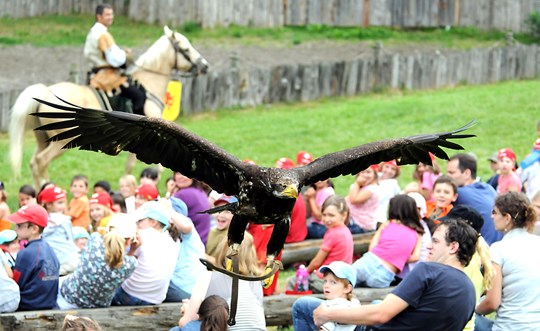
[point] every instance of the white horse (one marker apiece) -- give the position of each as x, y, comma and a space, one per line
152, 70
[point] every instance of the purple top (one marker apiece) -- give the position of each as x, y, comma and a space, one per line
196, 201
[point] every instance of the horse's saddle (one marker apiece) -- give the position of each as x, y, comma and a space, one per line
112, 102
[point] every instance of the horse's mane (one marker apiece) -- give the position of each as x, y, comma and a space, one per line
153, 58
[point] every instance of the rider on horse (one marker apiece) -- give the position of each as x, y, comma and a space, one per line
109, 61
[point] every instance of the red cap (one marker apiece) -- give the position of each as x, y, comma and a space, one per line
51, 194
392, 163
506, 152
147, 191
102, 198
536, 145
285, 163
31, 213
375, 167
303, 158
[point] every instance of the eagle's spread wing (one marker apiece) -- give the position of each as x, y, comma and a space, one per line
153, 140
408, 150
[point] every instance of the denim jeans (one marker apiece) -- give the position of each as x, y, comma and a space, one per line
370, 272
175, 294
302, 313
482, 323
122, 298
316, 231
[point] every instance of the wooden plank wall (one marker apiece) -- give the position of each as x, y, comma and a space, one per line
484, 14
252, 86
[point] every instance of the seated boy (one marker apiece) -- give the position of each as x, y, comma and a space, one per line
37, 268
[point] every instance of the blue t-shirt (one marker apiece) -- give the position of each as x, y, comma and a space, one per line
481, 197
440, 297
36, 271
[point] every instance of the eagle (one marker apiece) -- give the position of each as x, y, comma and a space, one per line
265, 195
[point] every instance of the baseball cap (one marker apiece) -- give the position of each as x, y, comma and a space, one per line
123, 224
536, 145
179, 206
420, 202
156, 211
303, 158
341, 270
506, 152
493, 157
285, 163
147, 191
102, 198
34, 214
7, 236
226, 199
79, 232
51, 194
466, 213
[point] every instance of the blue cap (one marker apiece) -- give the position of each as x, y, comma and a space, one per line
80, 232
7, 236
156, 211
341, 270
179, 206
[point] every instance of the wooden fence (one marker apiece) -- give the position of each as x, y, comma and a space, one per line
251, 86
484, 14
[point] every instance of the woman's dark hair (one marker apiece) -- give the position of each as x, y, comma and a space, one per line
518, 207
150, 172
213, 314
28, 190
403, 208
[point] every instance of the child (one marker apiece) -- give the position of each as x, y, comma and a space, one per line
145, 193
9, 244
508, 179
59, 233
37, 268
535, 202
9, 300
395, 243
337, 243
363, 199
303, 158
128, 186
213, 315
223, 220
388, 186
149, 176
102, 186
27, 195
80, 237
4, 208
170, 186
119, 203
315, 197
79, 206
76, 323
339, 280
444, 195
100, 211
104, 266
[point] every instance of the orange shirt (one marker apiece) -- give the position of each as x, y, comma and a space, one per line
431, 211
79, 210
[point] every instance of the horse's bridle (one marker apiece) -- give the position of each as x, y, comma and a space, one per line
177, 49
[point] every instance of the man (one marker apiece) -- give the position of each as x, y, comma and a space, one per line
106, 59
436, 295
481, 196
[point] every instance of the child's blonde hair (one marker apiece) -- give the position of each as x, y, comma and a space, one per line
343, 281
130, 180
79, 323
482, 249
247, 263
114, 249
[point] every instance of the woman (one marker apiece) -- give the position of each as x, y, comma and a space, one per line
514, 294
250, 312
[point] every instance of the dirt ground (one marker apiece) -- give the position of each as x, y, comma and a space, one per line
24, 65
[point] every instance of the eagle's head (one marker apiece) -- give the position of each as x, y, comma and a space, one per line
285, 186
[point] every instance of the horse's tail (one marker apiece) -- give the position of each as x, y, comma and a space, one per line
24, 105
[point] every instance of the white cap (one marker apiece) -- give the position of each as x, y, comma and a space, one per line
420, 202
124, 225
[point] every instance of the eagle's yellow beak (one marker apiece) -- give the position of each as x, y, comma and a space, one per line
290, 191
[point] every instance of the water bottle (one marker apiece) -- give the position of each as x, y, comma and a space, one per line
530, 160
302, 279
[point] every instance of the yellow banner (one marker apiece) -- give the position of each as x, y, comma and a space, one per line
172, 101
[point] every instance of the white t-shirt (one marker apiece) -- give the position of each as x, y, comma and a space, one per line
156, 261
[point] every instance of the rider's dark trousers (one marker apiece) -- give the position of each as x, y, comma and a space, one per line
137, 97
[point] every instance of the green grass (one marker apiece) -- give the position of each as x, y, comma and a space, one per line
506, 116
72, 29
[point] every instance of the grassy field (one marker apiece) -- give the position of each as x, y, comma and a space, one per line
72, 29
506, 116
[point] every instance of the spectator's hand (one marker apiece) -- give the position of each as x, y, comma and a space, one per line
310, 193
185, 305
319, 314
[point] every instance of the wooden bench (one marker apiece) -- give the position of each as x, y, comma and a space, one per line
306, 250
277, 309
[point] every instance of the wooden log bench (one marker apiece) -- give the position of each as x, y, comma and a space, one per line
306, 250
277, 309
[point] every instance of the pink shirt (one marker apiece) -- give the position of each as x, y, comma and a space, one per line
511, 179
320, 198
396, 244
428, 180
365, 214
338, 243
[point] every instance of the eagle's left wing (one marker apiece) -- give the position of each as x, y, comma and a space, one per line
153, 140
408, 150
